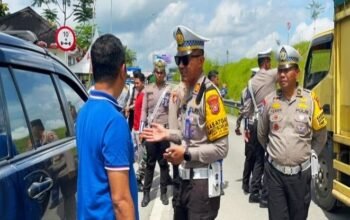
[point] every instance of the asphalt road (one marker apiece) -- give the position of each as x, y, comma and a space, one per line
234, 204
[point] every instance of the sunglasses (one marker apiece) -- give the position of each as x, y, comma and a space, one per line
185, 60
159, 73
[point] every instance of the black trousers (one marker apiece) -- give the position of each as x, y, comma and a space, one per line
254, 162
193, 203
249, 152
155, 153
289, 196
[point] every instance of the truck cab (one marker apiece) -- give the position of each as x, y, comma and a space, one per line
327, 74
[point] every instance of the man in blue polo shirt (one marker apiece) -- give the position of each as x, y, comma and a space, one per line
107, 186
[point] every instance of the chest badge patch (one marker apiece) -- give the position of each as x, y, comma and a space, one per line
276, 105
302, 105
213, 102
275, 127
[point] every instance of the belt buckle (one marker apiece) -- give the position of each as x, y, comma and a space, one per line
288, 170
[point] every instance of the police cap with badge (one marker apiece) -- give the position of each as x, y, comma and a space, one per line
159, 65
187, 42
287, 57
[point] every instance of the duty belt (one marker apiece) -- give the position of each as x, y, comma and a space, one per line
198, 173
290, 170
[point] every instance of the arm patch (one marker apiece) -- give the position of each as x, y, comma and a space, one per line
318, 119
215, 115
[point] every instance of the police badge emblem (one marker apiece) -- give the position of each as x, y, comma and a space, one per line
283, 55
213, 102
179, 37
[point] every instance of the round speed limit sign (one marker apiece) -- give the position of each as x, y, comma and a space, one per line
65, 38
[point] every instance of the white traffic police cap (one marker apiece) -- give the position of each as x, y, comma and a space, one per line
287, 57
187, 40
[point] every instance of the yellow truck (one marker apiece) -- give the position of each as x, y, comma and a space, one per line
327, 72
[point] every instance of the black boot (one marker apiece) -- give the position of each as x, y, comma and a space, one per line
254, 198
146, 199
164, 198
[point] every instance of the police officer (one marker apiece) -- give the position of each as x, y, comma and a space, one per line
292, 123
249, 150
155, 109
259, 87
204, 133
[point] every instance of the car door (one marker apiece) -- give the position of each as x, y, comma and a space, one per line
40, 174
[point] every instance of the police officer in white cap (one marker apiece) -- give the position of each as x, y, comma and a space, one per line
291, 124
258, 88
204, 133
155, 107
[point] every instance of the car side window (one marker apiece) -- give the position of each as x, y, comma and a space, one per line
75, 102
18, 125
43, 107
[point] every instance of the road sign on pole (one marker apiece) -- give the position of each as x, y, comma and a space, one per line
65, 38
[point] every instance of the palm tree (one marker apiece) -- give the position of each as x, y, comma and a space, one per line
83, 9
51, 16
316, 9
130, 56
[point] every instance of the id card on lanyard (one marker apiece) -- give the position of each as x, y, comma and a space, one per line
188, 124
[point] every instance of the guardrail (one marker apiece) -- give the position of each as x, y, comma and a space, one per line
232, 104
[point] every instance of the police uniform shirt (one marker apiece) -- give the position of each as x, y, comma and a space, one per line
288, 129
152, 93
207, 135
263, 83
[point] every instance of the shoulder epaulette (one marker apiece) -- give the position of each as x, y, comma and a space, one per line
306, 90
201, 91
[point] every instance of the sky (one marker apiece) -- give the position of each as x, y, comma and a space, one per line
236, 28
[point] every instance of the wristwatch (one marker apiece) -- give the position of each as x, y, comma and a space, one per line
187, 155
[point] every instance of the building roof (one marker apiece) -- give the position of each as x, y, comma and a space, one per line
28, 19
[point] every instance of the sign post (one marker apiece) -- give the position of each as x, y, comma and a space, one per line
65, 40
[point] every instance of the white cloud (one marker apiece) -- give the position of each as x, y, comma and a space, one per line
20, 132
305, 32
268, 42
241, 27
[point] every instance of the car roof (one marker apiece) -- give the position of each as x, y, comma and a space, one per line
17, 51
9, 40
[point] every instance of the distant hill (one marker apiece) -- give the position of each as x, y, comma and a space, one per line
237, 74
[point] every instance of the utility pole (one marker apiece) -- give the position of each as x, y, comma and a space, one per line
227, 55
110, 27
289, 25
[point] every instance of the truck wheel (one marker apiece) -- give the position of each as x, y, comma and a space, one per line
323, 184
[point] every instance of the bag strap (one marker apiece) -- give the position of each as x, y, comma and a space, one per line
155, 110
250, 89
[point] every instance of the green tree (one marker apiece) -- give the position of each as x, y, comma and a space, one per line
82, 11
84, 35
4, 9
50, 16
130, 56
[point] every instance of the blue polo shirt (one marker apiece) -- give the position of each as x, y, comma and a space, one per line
104, 143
